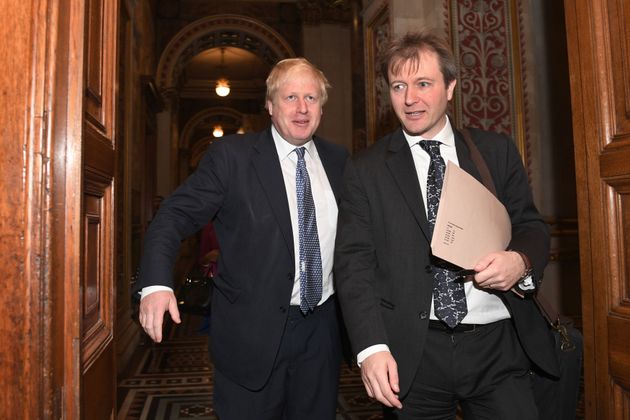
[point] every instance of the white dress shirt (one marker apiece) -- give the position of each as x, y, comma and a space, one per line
325, 209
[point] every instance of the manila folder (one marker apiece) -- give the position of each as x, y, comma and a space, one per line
471, 222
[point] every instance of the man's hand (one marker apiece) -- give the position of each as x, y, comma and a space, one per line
152, 309
499, 270
379, 373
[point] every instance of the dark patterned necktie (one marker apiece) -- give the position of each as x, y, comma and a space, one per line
310, 258
449, 299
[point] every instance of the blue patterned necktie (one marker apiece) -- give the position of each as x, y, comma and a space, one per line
449, 298
310, 258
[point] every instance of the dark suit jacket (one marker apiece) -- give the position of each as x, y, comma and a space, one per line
239, 185
383, 248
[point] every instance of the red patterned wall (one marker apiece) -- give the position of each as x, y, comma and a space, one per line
483, 42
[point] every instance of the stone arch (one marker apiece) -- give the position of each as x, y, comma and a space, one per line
198, 150
216, 31
196, 144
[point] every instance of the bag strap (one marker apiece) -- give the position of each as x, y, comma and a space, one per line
550, 314
547, 310
479, 162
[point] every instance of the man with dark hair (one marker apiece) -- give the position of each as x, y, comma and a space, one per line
425, 337
271, 196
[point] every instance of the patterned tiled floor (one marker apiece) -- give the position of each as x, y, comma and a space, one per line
173, 381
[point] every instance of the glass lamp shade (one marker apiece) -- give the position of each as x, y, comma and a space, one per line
218, 131
223, 87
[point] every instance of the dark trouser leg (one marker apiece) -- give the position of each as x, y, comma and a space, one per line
304, 380
485, 370
314, 373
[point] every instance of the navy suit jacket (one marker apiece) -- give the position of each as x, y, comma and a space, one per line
383, 248
239, 185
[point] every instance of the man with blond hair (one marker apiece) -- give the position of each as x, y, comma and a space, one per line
271, 196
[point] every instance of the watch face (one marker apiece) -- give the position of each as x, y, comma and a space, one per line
527, 284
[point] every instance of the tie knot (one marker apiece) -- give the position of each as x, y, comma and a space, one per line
300, 152
432, 147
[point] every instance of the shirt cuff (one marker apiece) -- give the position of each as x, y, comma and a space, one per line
146, 291
364, 354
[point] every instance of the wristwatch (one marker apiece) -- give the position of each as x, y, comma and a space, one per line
526, 284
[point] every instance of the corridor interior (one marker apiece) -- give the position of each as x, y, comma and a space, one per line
172, 380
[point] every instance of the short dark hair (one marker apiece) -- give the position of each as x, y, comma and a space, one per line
408, 48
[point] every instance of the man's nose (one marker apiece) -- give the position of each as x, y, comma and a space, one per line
411, 95
302, 106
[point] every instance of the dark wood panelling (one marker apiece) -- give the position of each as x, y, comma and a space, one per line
98, 367
94, 63
91, 261
42, 81
619, 357
619, 16
25, 34
98, 405
598, 35
98, 315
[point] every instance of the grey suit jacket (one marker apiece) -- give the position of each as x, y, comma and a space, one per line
239, 185
382, 255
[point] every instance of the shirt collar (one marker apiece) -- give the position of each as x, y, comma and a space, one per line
445, 136
284, 148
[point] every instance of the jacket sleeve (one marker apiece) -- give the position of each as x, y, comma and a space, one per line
355, 265
530, 234
191, 206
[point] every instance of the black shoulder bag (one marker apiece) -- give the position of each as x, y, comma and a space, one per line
195, 293
556, 398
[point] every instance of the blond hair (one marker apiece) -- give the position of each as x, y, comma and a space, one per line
282, 69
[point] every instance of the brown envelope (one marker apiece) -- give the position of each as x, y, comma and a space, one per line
471, 222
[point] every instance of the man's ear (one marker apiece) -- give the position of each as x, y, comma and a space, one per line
270, 107
450, 89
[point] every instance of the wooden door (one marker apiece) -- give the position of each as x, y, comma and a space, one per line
598, 35
97, 363
26, 77
56, 209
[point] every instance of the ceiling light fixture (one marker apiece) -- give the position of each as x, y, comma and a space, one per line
218, 131
223, 86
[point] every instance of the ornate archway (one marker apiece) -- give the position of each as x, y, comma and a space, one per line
216, 31
199, 128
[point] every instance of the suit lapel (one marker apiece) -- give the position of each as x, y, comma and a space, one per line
400, 164
267, 167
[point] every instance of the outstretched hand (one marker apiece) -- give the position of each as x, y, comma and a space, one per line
379, 373
152, 309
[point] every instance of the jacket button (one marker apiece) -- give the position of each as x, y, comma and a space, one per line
428, 269
423, 315
290, 276
283, 309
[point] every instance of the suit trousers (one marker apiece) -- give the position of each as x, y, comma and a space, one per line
485, 370
304, 380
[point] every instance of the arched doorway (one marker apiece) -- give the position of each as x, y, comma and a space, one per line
240, 48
